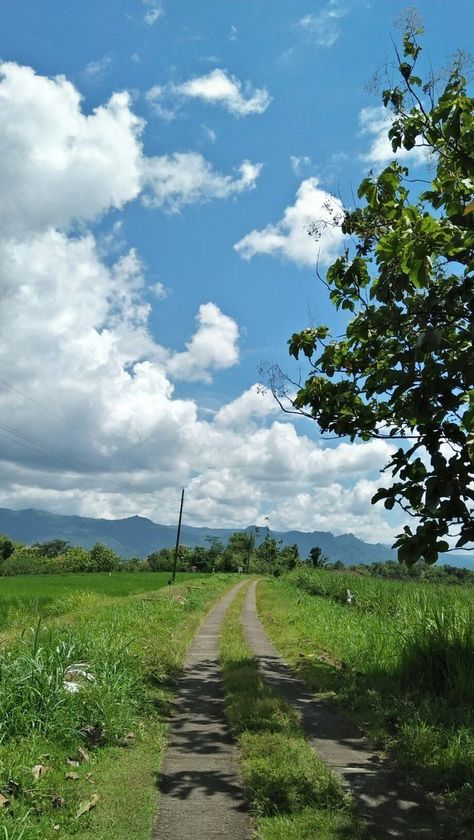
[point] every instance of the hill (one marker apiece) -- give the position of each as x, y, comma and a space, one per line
137, 536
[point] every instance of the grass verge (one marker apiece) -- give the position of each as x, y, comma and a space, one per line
399, 665
95, 752
292, 794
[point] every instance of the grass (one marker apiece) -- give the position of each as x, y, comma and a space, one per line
110, 734
398, 659
292, 794
24, 598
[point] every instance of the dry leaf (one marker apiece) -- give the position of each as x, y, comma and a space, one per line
58, 802
73, 762
3, 801
87, 806
39, 770
83, 754
73, 777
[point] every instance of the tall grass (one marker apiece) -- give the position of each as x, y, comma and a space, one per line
132, 648
399, 658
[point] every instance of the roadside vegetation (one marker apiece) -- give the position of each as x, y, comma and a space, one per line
83, 704
292, 794
396, 656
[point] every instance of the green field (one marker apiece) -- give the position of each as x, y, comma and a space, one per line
24, 598
101, 747
398, 658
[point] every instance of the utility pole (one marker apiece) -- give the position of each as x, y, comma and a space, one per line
173, 576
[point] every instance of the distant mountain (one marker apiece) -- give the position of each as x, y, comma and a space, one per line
137, 536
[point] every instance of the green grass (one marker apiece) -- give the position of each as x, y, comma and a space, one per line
23, 598
398, 659
291, 792
133, 646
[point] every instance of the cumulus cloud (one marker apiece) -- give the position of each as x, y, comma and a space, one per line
375, 123
59, 165
255, 404
219, 88
323, 28
288, 238
91, 419
187, 177
212, 347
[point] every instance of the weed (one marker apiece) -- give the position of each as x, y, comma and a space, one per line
398, 658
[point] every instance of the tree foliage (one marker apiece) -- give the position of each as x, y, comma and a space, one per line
404, 370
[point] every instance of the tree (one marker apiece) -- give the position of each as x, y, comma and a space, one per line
404, 370
317, 559
267, 553
241, 547
160, 561
53, 548
6, 547
103, 558
289, 556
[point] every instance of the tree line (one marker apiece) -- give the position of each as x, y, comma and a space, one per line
241, 553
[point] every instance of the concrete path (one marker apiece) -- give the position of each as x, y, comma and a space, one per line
201, 793
390, 807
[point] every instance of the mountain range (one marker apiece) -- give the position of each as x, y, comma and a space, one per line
137, 536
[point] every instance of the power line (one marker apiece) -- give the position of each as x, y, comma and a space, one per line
67, 422
40, 447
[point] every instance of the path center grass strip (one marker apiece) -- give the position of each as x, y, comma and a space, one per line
84, 763
292, 794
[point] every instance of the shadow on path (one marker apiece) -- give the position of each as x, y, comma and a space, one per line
201, 794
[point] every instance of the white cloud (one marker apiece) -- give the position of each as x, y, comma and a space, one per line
159, 290
187, 177
376, 122
322, 28
209, 133
154, 11
218, 88
301, 165
256, 403
75, 338
289, 237
212, 347
155, 98
57, 164
97, 69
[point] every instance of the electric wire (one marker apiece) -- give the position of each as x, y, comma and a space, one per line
40, 447
64, 420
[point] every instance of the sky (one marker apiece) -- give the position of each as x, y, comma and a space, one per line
161, 163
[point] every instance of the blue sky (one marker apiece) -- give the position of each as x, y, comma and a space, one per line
161, 162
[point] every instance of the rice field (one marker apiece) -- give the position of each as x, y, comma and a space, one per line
25, 598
